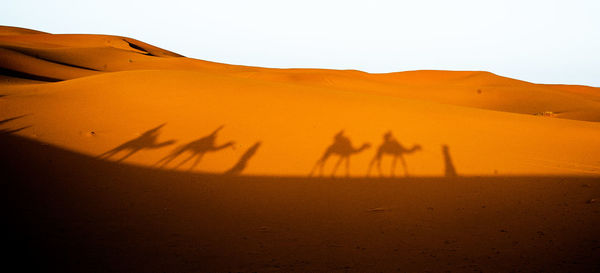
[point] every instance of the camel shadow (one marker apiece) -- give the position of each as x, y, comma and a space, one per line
449, 170
239, 167
391, 146
148, 140
197, 148
342, 147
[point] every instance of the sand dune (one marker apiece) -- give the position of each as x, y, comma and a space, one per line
466, 88
95, 92
121, 156
8, 30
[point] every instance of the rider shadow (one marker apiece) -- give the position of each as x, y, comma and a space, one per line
391, 146
148, 140
196, 148
342, 147
239, 167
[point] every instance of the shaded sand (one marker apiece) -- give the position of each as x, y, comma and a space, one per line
79, 214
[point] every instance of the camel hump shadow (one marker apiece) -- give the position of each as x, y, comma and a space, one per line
147, 140
391, 146
341, 147
196, 149
239, 167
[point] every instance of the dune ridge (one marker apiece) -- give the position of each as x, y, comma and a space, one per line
69, 56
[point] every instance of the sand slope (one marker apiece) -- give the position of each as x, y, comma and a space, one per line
93, 93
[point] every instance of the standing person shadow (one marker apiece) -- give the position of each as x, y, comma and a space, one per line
147, 140
392, 147
196, 148
239, 167
342, 147
449, 170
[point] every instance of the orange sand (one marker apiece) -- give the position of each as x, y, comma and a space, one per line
92, 126
118, 88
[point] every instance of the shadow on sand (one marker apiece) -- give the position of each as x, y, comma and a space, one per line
11, 131
239, 167
148, 140
341, 147
391, 146
11, 119
449, 170
76, 213
197, 148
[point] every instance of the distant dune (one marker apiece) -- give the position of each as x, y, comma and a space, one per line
92, 93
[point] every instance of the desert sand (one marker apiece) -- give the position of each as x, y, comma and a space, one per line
121, 156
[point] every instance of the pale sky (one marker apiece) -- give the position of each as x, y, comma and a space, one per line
545, 41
